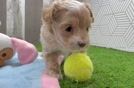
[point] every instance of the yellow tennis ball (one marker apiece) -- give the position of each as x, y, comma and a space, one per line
78, 66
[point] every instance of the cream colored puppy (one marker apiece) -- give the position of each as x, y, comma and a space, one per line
64, 30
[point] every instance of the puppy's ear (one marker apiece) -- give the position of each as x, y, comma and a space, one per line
91, 14
53, 13
47, 18
47, 14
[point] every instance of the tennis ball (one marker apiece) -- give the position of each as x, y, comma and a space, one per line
78, 66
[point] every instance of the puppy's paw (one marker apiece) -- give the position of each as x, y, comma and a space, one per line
58, 76
54, 74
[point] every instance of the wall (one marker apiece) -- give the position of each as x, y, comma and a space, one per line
113, 27
24, 19
15, 18
3, 16
114, 24
33, 10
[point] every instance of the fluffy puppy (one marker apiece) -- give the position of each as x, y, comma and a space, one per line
65, 26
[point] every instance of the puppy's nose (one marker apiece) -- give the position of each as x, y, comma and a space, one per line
81, 44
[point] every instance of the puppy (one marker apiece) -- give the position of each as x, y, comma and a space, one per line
64, 30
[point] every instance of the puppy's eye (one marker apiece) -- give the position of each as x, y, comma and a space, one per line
87, 29
4, 55
69, 29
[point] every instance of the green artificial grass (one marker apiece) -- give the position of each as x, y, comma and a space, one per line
112, 69
38, 46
